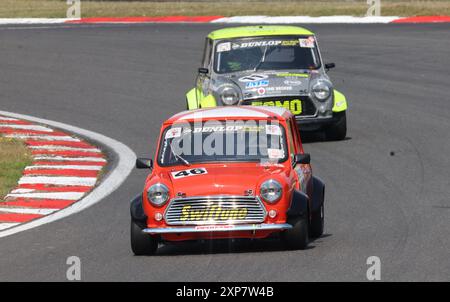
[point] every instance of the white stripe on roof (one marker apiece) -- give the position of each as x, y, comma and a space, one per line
221, 112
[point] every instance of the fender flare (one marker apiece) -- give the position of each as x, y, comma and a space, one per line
191, 99
339, 101
318, 196
299, 204
137, 211
202, 102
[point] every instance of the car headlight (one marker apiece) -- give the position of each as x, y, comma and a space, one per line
271, 190
321, 91
229, 95
158, 194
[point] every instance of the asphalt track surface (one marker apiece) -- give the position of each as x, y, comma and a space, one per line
387, 184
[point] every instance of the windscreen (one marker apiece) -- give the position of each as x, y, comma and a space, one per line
266, 54
243, 140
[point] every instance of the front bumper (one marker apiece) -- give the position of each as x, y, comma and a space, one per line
219, 228
315, 123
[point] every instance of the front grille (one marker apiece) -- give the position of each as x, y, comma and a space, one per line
215, 210
308, 107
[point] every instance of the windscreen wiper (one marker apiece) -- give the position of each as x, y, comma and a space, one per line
263, 58
179, 156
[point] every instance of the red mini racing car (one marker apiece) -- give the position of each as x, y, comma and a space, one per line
228, 172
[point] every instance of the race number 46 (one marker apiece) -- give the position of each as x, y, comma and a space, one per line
190, 172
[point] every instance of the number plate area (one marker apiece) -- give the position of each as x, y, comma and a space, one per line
298, 106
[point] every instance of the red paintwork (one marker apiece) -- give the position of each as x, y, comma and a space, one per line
62, 172
7, 130
52, 188
67, 153
423, 19
74, 162
229, 178
39, 203
59, 143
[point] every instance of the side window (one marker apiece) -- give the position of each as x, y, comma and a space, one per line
207, 53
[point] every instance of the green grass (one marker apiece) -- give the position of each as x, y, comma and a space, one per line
14, 157
57, 8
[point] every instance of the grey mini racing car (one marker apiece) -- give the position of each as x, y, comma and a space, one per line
271, 66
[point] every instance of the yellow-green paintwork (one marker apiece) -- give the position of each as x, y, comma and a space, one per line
208, 101
195, 99
254, 31
340, 103
191, 99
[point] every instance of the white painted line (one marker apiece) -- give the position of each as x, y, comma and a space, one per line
58, 180
61, 158
44, 137
8, 119
69, 167
49, 195
40, 211
63, 148
35, 20
26, 127
5, 225
17, 191
125, 163
304, 19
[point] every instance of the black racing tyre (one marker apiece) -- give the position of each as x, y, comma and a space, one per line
297, 238
338, 130
317, 222
142, 244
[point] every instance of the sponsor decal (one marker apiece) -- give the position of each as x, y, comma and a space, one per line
215, 227
253, 78
264, 43
293, 82
252, 44
221, 128
261, 91
290, 43
173, 132
280, 88
307, 43
275, 153
224, 47
300, 75
212, 213
261, 83
273, 130
295, 106
190, 172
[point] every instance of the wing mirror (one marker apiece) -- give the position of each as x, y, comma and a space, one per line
304, 158
328, 66
144, 163
203, 70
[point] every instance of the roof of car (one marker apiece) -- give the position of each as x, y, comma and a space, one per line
260, 30
231, 112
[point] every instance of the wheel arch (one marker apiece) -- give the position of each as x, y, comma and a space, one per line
318, 196
339, 101
137, 211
